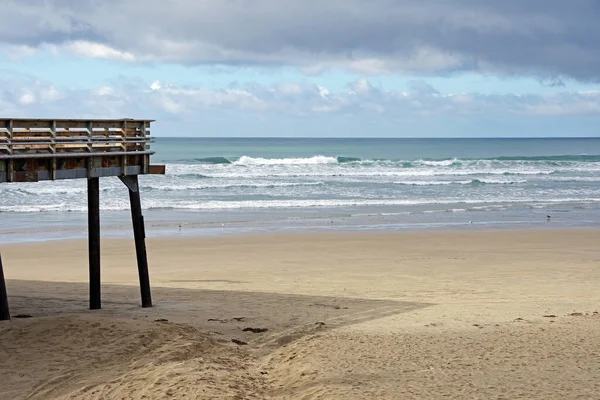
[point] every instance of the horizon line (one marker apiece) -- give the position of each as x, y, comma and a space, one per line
378, 137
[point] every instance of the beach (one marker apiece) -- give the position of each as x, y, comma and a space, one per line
320, 315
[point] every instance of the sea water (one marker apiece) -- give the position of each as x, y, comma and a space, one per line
232, 185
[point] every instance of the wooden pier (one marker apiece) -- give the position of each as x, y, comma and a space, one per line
33, 150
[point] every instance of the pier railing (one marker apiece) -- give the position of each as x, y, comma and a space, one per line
44, 149
32, 150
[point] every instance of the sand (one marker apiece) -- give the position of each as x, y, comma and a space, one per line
489, 315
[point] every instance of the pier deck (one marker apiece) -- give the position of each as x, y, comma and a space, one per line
33, 150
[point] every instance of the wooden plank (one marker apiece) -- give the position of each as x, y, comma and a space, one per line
145, 160
156, 169
71, 155
20, 123
30, 124
62, 120
4, 311
90, 133
25, 176
76, 119
35, 135
117, 123
11, 165
53, 149
75, 140
94, 242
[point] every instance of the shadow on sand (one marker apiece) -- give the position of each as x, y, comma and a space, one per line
257, 319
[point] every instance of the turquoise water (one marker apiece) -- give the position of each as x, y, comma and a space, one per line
186, 149
218, 186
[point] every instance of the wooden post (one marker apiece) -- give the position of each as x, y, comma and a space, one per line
4, 312
53, 150
139, 234
94, 241
10, 165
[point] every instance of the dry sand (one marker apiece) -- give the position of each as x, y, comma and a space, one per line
489, 315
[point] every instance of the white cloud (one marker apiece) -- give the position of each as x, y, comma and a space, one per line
105, 91
155, 85
171, 106
18, 53
26, 99
289, 89
96, 50
323, 92
50, 94
361, 86
285, 99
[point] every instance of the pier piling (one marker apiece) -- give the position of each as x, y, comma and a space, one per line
139, 233
4, 312
94, 242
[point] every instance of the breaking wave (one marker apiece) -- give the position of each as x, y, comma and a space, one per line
445, 162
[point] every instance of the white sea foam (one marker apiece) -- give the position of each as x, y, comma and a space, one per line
245, 160
321, 173
334, 203
121, 204
430, 183
321, 166
440, 163
502, 182
462, 182
203, 185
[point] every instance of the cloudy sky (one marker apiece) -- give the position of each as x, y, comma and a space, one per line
367, 68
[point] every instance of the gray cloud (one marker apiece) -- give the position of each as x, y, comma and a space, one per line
544, 38
552, 82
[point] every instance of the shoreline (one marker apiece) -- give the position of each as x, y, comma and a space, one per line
186, 230
325, 231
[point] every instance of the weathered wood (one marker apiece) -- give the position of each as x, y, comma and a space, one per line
26, 123
4, 311
10, 165
94, 241
44, 149
140, 237
156, 169
78, 139
58, 139
65, 155
63, 132
26, 176
53, 149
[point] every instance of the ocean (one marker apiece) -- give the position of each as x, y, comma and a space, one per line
216, 186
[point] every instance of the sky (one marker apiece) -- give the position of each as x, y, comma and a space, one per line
310, 68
